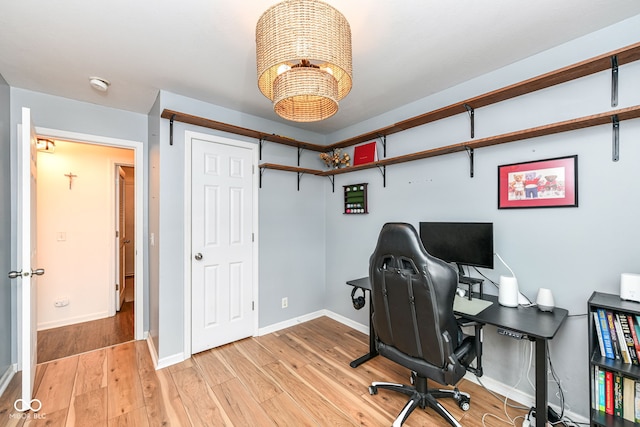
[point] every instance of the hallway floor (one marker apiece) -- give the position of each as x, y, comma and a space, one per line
69, 340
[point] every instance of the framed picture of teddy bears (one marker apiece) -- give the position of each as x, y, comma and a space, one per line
548, 183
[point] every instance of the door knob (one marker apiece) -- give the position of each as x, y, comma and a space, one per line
198, 256
15, 274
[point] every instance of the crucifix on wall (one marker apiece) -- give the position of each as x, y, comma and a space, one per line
70, 176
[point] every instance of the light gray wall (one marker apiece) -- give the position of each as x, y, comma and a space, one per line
291, 223
6, 285
573, 251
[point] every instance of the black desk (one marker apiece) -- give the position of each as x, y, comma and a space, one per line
538, 326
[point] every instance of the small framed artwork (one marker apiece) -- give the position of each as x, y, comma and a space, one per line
549, 183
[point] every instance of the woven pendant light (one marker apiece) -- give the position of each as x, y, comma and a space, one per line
303, 51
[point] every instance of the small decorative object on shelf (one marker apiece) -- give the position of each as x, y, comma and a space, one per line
336, 159
355, 199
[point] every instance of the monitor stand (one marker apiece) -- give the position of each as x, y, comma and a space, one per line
469, 281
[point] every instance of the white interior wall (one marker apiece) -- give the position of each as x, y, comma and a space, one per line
75, 231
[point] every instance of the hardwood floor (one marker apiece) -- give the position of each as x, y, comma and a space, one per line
65, 341
298, 376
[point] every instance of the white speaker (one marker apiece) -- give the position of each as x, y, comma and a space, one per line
630, 286
508, 292
545, 300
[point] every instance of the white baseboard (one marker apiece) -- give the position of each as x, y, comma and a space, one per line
7, 376
71, 321
152, 350
291, 322
164, 362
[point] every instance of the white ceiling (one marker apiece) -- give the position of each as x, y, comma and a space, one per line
403, 50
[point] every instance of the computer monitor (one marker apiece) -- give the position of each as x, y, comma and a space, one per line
463, 243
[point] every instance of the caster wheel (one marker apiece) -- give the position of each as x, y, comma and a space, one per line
464, 404
373, 390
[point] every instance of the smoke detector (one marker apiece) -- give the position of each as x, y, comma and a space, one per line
99, 83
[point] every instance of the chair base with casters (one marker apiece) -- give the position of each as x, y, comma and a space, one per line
422, 396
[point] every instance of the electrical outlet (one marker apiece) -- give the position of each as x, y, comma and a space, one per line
285, 302
62, 302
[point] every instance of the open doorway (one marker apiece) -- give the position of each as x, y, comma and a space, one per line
77, 218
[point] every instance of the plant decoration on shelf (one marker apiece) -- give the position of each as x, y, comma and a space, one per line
336, 159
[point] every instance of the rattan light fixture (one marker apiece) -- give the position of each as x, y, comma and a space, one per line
303, 50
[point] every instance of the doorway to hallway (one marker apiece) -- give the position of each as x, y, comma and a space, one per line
76, 221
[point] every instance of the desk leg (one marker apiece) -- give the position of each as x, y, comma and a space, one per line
373, 352
541, 382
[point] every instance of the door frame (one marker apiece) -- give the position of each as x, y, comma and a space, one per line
140, 250
188, 136
116, 168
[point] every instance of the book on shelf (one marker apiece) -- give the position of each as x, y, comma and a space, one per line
365, 153
637, 403
596, 322
624, 350
617, 394
608, 392
628, 399
633, 327
614, 335
601, 391
606, 337
628, 338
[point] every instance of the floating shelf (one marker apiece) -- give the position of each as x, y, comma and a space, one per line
590, 66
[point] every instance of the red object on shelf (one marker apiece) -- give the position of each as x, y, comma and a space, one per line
365, 153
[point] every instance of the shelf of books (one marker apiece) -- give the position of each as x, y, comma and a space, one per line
614, 362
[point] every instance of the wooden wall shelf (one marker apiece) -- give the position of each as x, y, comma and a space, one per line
225, 127
289, 168
581, 69
559, 127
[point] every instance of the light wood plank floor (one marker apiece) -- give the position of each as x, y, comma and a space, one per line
64, 341
298, 376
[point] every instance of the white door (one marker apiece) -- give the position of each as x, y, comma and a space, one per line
26, 257
121, 238
222, 270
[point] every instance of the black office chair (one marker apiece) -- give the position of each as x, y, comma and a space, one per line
412, 296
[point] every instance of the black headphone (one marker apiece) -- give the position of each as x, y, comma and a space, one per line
358, 302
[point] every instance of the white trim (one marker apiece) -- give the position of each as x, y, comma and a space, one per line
73, 320
165, 361
152, 351
138, 154
7, 376
292, 322
188, 136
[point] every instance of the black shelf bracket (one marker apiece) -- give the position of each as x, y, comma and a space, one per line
300, 149
332, 178
261, 142
383, 171
615, 155
171, 129
383, 141
260, 177
471, 156
614, 80
299, 177
472, 115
